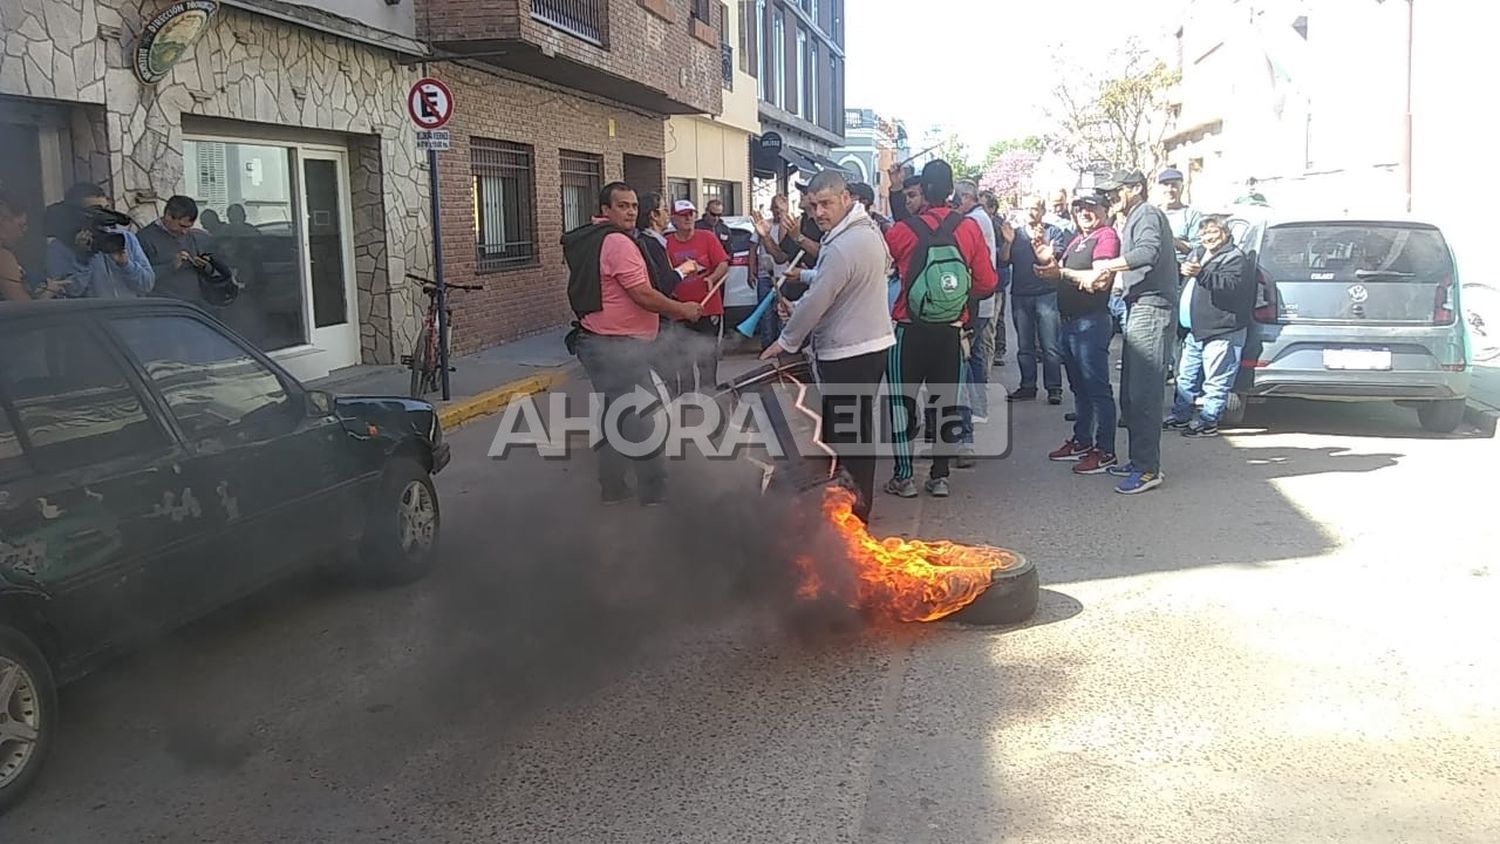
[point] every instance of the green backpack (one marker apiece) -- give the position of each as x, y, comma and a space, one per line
941, 281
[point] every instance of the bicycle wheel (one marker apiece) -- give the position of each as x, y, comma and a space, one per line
423, 366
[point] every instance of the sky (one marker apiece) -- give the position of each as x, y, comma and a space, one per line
986, 67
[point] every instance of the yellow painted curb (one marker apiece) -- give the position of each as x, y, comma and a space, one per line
468, 409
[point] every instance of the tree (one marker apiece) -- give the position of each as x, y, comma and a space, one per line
1009, 175
1031, 143
954, 151
1117, 120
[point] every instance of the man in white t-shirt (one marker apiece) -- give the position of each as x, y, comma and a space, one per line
981, 335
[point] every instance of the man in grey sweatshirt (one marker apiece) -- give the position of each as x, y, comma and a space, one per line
844, 315
1147, 274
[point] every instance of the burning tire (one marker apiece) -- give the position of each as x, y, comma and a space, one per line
1010, 599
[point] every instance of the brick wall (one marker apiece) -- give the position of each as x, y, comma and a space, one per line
647, 41
525, 300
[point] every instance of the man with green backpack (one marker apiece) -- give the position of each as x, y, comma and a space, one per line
946, 268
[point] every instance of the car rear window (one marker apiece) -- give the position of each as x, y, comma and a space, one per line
1347, 252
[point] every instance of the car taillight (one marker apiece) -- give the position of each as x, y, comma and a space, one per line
1442, 308
1265, 298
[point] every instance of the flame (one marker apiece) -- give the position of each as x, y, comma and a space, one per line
900, 579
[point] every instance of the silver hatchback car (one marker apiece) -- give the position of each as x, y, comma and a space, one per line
1354, 310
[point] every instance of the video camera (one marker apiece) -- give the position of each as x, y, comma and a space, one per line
65, 221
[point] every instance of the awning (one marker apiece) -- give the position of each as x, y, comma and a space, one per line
802, 160
826, 163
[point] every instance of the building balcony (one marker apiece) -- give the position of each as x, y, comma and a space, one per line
649, 54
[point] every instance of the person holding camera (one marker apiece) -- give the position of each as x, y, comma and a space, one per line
179, 252
93, 251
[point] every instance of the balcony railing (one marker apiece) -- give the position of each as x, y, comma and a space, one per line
581, 18
726, 65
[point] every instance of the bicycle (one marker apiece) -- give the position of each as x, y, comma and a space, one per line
423, 360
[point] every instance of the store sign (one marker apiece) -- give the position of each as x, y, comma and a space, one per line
169, 36
767, 151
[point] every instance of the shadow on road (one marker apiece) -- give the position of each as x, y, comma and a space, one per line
1342, 419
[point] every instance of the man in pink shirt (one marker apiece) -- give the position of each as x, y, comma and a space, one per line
610, 290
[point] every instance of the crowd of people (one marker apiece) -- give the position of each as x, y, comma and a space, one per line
919, 302
92, 253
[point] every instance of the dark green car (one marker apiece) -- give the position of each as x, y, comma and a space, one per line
154, 466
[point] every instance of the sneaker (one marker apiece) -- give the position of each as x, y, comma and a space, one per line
979, 420
1139, 482
1174, 424
1070, 416
1120, 470
1054, 397
965, 458
653, 497
937, 487
1095, 462
901, 487
1069, 451
1022, 394
611, 497
1202, 429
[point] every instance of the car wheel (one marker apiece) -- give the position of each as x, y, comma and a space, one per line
1010, 599
1441, 417
28, 714
402, 526
1234, 410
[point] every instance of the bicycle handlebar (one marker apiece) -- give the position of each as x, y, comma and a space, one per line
427, 282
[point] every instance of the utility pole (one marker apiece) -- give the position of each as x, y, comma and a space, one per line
1406, 117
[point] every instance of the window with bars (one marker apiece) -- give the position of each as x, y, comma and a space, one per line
680, 189
582, 178
725, 192
504, 210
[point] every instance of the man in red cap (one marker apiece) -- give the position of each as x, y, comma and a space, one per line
699, 338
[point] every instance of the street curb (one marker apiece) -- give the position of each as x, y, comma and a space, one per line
1482, 417
461, 411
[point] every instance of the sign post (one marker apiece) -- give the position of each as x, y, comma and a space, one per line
430, 105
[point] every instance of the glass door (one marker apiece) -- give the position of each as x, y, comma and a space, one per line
330, 296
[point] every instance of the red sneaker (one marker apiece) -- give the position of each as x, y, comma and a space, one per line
1094, 463
1069, 451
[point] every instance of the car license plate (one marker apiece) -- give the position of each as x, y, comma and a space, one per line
1357, 358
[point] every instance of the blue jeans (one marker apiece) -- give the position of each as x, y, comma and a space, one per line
976, 376
770, 325
1214, 364
1086, 356
1036, 319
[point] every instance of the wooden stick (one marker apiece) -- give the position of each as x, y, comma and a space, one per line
776, 286
713, 290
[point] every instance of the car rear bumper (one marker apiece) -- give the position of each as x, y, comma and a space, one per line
1353, 386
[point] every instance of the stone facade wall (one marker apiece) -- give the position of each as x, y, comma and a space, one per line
247, 68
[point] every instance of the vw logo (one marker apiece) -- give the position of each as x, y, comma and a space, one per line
1358, 293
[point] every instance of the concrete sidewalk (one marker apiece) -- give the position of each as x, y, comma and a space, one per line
480, 383
1484, 397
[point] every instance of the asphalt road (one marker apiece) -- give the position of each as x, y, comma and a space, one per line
1292, 640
